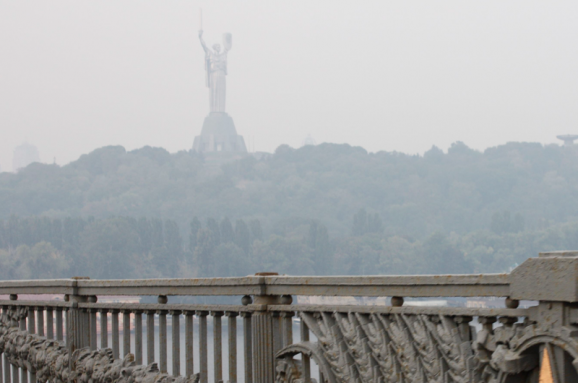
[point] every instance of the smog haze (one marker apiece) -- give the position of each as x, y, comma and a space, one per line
394, 76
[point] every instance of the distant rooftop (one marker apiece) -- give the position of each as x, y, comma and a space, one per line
24, 155
568, 139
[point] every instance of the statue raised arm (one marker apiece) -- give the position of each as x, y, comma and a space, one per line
207, 50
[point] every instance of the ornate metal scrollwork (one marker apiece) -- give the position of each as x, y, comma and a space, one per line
291, 370
288, 370
417, 348
51, 361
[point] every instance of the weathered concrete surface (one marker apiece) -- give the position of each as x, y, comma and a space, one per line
551, 277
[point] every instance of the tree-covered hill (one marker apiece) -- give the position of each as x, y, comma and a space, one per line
327, 209
458, 191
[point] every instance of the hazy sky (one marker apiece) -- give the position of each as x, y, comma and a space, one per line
404, 75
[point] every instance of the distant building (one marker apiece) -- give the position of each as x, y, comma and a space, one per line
24, 155
568, 139
309, 141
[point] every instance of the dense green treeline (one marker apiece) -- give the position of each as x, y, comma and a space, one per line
458, 191
125, 247
327, 209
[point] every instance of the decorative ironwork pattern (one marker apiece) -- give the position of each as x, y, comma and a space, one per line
414, 348
50, 359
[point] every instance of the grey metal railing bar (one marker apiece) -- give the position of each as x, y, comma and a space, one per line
287, 318
31, 320
49, 322
203, 360
138, 337
40, 320
457, 311
408, 286
217, 346
304, 332
163, 340
125, 332
23, 371
52, 303
247, 346
150, 336
6, 369
156, 307
92, 316
189, 368
103, 328
15, 374
59, 324
277, 336
176, 342
232, 332
115, 334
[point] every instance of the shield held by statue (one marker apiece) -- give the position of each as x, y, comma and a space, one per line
227, 41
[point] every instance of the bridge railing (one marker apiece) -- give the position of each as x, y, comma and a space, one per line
79, 338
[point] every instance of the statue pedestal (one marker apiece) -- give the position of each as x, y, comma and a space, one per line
219, 135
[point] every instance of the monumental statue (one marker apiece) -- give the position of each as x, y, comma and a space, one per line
218, 133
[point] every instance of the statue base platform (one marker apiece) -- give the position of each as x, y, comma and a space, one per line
219, 135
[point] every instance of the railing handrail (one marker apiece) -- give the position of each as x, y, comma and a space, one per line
465, 285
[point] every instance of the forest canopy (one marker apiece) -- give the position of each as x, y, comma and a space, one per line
326, 209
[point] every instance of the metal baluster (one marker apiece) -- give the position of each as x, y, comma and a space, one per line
115, 334
277, 338
40, 320
150, 336
287, 327
92, 314
306, 361
49, 322
125, 332
66, 324
103, 328
189, 368
232, 346
4, 357
6, 369
163, 340
217, 346
24, 376
31, 321
176, 342
204, 369
23, 371
248, 346
85, 318
15, 374
90, 329
59, 324
138, 337
1, 369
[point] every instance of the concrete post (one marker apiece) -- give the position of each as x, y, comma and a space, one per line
77, 321
265, 333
